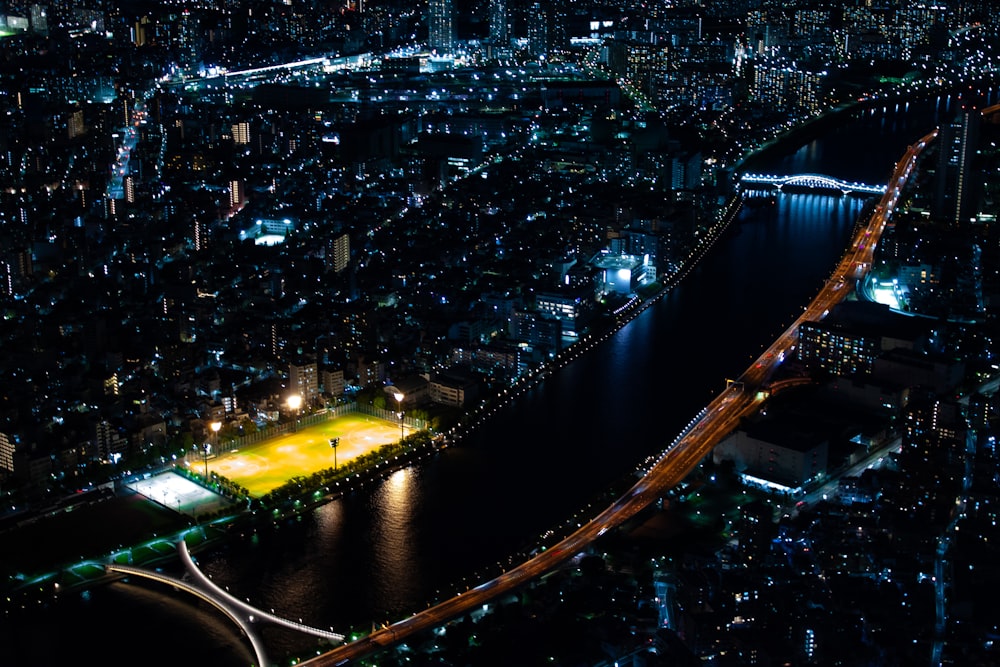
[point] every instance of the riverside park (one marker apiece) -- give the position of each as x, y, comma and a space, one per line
124, 527
267, 465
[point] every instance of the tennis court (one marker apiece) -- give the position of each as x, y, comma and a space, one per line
179, 493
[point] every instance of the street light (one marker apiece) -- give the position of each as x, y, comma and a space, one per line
206, 448
398, 395
334, 442
294, 403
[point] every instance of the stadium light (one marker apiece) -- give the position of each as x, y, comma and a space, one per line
207, 446
294, 403
398, 395
334, 443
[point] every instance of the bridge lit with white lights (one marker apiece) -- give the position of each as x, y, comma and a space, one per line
241, 613
811, 182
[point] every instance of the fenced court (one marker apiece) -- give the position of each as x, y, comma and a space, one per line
272, 462
179, 493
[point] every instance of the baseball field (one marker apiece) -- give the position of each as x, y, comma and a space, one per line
269, 464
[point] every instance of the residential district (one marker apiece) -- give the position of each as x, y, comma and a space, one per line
206, 209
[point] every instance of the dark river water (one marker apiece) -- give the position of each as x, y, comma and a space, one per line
389, 550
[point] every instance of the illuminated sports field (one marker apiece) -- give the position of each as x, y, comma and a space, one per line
269, 464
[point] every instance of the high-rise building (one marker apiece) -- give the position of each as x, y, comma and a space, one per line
440, 26
303, 379
956, 191
200, 230
538, 32
6, 278
499, 30
237, 193
128, 185
241, 133
39, 19
142, 31
339, 255
187, 39
7, 444
558, 28
782, 84
75, 125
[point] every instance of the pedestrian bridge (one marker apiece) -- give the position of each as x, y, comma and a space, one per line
241, 613
812, 182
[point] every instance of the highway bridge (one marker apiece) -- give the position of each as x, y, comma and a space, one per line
241, 613
810, 182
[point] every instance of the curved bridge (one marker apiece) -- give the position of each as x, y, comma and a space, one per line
238, 611
811, 181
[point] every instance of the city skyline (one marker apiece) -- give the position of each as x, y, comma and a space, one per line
208, 210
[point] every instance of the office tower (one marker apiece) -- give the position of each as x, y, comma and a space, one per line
499, 32
956, 191
440, 26
548, 32
538, 33
187, 39
558, 28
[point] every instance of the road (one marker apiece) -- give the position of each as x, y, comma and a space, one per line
719, 419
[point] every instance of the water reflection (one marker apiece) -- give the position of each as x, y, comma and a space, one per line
395, 565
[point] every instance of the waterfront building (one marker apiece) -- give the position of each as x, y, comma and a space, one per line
571, 306
452, 388
621, 274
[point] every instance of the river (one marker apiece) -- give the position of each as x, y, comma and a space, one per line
380, 553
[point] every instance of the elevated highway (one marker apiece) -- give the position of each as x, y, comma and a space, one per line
740, 398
